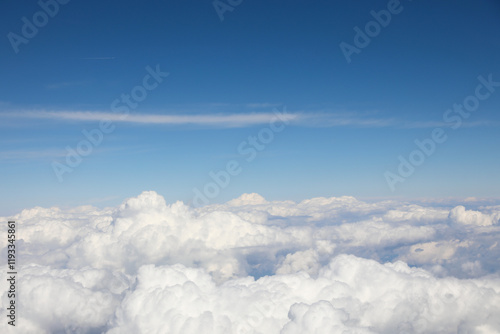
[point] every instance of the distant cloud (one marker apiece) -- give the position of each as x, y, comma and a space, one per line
98, 58
345, 119
217, 120
262, 105
23, 155
59, 85
241, 119
431, 124
222, 120
16, 156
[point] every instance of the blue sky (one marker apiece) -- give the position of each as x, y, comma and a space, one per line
349, 122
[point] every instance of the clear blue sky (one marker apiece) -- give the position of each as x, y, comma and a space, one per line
349, 121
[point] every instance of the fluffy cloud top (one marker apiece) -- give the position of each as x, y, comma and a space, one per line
462, 216
324, 265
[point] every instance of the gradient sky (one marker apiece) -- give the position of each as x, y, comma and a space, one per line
351, 120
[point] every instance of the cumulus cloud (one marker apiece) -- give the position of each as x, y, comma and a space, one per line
350, 293
462, 216
323, 265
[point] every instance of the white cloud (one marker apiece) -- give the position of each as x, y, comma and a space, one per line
350, 293
322, 265
307, 261
231, 119
462, 216
220, 120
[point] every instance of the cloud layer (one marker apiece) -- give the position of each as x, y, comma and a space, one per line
324, 265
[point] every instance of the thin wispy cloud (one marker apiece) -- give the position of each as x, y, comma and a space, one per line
216, 120
221, 120
48, 154
262, 105
25, 155
345, 119
235, 120
59, 85
98, 58
434, 124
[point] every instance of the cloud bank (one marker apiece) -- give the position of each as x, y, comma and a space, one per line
323, 265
